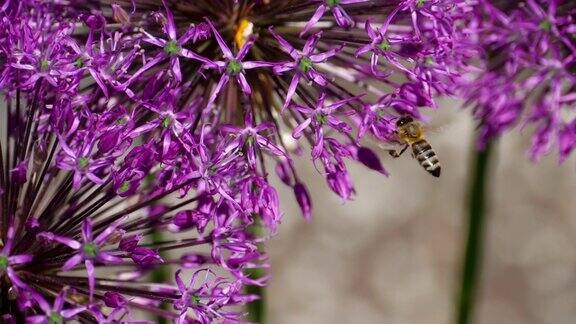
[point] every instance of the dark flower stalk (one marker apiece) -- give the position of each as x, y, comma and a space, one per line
474, 245
125, 120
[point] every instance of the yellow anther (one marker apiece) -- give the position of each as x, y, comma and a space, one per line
243, 32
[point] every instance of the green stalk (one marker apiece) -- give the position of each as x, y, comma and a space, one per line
160, 275
474, 242
257, 309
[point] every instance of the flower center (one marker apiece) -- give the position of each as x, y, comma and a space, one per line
124, 187
44, 65
83, 163
90, 250
384, 45
195, 299
172, 48
545, 25
121, 121
166, 122
305, 64
3, 262
79, 63
322, 119
212, 170
332, 3
234, 67
55, 318
420, 3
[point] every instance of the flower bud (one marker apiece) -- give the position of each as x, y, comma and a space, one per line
367, 157
145, 256
190, 218
303, 199
129, 243
283, 171
114, 299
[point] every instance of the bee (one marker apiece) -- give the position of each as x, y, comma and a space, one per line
411, 133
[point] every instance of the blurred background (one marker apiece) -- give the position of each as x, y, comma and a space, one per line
392, 255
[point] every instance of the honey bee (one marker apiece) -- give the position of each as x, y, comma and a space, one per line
411, 133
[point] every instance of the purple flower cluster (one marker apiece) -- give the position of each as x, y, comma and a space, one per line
525, 71
135, 137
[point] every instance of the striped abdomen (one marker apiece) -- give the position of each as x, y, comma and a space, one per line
426, 157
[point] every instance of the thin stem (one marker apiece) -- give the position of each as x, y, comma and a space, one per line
257, 309
474, 241
160, 275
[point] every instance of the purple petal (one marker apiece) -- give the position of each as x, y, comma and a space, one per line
225, 50
297, 133
223, 81
59, 301
109, 258
15, 279
179, 282
20, 259
175, 63
111, 229
244, 50
73, 244
171, 26
311, 43
291, 90
317, 15
87, 230
70, 313
342, 17
72, 262
244, 84
255, 64
284, 44
91, 279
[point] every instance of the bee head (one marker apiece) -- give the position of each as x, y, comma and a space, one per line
404, 120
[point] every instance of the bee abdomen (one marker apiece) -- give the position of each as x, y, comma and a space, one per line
426, 157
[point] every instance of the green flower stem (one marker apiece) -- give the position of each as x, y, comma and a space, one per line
160, 275
257, 309
474, 241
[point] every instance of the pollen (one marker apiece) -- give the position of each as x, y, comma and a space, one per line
243, 31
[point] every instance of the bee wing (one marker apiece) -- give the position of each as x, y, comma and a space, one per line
435, 130
392, 145
438, 126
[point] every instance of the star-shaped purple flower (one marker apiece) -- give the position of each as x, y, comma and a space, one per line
88, 250
303, 64
233, 66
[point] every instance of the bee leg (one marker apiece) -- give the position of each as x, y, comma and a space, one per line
396, 154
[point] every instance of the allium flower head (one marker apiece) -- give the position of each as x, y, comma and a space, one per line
527, 75
124, 122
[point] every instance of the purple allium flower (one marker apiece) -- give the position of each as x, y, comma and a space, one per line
119, 124
57, 313
9, 262
527, 75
